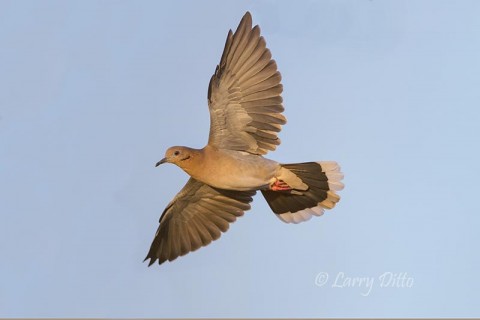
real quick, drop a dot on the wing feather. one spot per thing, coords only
(194, 218)
(244, 94)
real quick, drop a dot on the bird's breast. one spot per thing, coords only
(235, 170)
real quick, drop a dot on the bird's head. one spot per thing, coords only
(177, 155)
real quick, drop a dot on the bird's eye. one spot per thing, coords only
(176, 153)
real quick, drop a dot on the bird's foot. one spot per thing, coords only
(280, 185)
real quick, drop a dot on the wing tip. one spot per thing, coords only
(153, 259)
(247, 16)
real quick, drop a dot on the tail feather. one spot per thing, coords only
(295, 206)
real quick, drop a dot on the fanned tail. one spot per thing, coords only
(294, 206)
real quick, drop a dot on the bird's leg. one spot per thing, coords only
(280, 185)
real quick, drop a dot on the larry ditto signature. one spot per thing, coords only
(385, 280)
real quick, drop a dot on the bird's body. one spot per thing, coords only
(252, 172)
(245, 104)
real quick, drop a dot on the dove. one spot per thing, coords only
(245, 104)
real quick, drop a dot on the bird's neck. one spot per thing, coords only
(194, 162)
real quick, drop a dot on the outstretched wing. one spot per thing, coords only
(194, 218)
(244, 94)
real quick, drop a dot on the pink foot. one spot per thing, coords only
(280, 185)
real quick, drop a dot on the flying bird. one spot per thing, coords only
(245, 104)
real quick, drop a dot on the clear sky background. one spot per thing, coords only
(93, 92)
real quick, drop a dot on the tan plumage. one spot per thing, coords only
(195, 217)
(245, 118)
(244, 94)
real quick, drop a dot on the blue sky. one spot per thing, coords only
(93, 92)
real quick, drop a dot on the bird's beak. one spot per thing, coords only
(160, 162)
